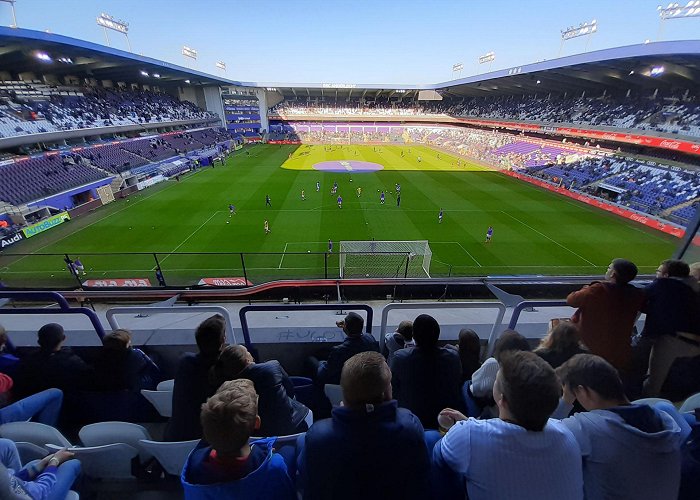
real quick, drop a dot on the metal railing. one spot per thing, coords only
(532, 303)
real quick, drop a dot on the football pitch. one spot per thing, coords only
(187, 224)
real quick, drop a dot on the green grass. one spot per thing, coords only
(535, 231)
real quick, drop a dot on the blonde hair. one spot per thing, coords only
(562, 337)
(229, 416)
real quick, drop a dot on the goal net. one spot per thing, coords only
(385, 259)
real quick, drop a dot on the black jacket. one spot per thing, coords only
(43, 370)
(329, 371)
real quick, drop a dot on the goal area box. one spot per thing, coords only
(385, 259)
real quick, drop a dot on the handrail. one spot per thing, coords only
(301, 307)
(63, 307)
(532, 303)
(446, 305)
(230, 334)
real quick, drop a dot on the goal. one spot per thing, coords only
(385, 259)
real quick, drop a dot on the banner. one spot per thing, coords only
(150, 182)
(648, 221)
(6, 241)
(224, 282)
(129, 282)
(46, 224)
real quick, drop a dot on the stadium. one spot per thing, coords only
(210, 266)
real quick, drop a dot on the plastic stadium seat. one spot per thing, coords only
(691, 403)
(166, 385)
(111, 461)
(162, 401)
(72, 495)
(35, 433)
(650, 401)
(172, 455)
(30, 451)
(103, 433)
(334, 393)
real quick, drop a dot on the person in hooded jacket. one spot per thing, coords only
(630, 451)
(121, 367)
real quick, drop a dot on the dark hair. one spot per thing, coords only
(354, 324)
(50, 336)
(530, 387)
(626, 270)
(510, 340)
(365, 379)
(469, 349)
(676, 268)
(231, 362)
(3, 337)
(426, 331)
(589, 370)
(405, 328)
(210, 335)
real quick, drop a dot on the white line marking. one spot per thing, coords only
(460, 245)
(550, 239)
(282, 258)
(192, 234)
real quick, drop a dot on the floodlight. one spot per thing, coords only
(144, 73)
(187, 81)
(43, 56)
(657, 70)
(538, 82)
(156, 75)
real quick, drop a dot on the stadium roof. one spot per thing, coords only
(19, 49)
(662, 65)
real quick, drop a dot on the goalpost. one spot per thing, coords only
(385, 259)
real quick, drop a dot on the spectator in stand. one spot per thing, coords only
(226, 465)
(672, 326)
(561, 343)
(121, 367)
(192, 386)
(399, 339)
(8, 362)
(355, 342)
(695, 273)
(52, 366)
(607, 311)
(426, 378)
(469, 350)
(484, 378)
(521, 454)
(630, 451)
(281, 414)
(48, 479)
(368, 429)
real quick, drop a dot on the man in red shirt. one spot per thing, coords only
(607, 311)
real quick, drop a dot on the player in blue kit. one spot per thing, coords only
(381, 198)
(489, 234)
(440, 214)
(340, 202)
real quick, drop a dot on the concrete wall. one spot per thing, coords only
(214, 103)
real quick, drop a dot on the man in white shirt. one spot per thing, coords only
(522, 454)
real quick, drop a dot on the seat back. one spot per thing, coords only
(334, 393)
(166, 385)
(691, 403)
(103, 433)
(30, 451)
(172, 455)
(650, 401)
(111, 461)
(162, 401)
(33, 432)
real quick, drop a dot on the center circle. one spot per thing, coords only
(348, 166)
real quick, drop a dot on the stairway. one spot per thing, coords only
(672, 209)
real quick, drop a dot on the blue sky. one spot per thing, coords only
(360, 41)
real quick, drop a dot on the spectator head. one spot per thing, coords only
(469, 349)
(527, 390)
(593, 381)
(405, 329)
(3, 338)
(230, 416)
(232, 360)
(51, 337)
(118, 340)
(695, 270)
(621, 271)
(671, 268)
(510, 340)
(352, 325)
(426, 331)
(211, 335)
(365, 380)
(563, 337)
